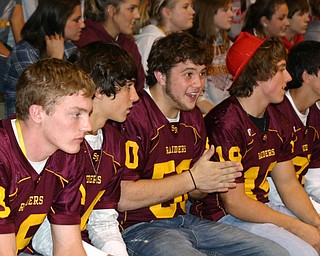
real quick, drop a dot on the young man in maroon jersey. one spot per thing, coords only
(165, 164)
(114, 73)
(300, 108)
(247, 129)
(38, 179)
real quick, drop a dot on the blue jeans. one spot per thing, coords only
(293, 244)
(188, 235)
(3, 62)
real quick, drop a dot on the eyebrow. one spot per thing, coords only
(80, 109)
(282, 65)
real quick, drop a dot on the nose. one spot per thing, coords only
(287, 77)
(137, 14)
(306, 17)
(82, 25)
(86, 126)
(286, 21)
(192, 11)
(134, 95)
(198, 81)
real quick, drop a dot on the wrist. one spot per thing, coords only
(192, 178)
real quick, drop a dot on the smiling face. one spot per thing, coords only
(125, 17)
(65, 127)
(223, 18)
(183, 86)
(278, 23)
(274, 88)
(180, 17)
(74, 25)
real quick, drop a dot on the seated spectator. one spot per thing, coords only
(299, 106)
(165, 164)
(114, 73)
(248, 129)
(267, 18)
(159, 18)
(313, 30)
(113, 22)
(213, 33)
(41, 169)
(46, 34)
(7, 9)
(298, 22)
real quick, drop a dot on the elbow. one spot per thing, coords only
(231, 208)
(124, 205)
(121, 208)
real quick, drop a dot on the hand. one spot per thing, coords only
(212, 176)
(309, 234)
(55, 46)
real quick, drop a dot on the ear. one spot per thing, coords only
(306, 77)
(264, 21)
(166, 12)
(99, 94)
(111, 10)
(161, 78)
(35, 113)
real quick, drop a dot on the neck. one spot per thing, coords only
(111, 28)
(301, 100)
(31, 133)
(290, 36)
(163, 102)
(251, 107)
(163, 30)
(97, 120)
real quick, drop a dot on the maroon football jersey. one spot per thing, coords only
(237, 138)
(102, 189)
(307, 138)
(27, 197)
(155, 149)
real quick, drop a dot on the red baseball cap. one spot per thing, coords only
(241, 52)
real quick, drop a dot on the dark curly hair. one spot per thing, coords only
(175, 48)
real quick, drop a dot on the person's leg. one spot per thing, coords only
(229, 240)
(158, 238)
(293, 244)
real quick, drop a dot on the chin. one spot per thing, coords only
(72, 150)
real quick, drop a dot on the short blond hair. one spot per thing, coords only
(47, 80)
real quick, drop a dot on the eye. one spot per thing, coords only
(188, 75)
(185, 6)
(202, 73)
(76, 115)
(77, 19)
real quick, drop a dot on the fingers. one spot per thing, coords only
(208, 153)
(54, 37)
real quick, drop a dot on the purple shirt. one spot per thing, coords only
(157, 148)
(27, 197)
(237, 138)
(94, 31)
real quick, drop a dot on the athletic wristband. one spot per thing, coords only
(194, 183)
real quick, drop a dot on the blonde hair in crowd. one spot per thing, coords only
(150, 12)
(96, 9)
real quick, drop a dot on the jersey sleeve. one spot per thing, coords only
(6, 217)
